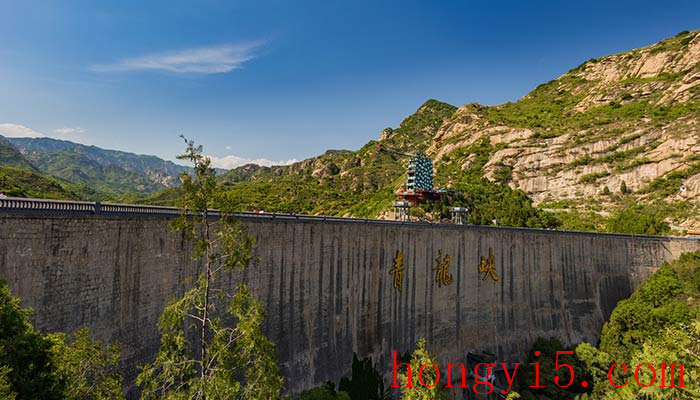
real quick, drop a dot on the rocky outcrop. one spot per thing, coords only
(655, 134)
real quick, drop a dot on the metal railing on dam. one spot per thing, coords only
(31, 206)
(69, 207)
(20, 205)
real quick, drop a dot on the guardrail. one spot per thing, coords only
(20, 205)
(45, 206)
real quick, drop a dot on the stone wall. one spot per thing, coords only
(327, 288)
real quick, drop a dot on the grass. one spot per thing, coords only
(671, 183)
(592, 178)
(16, 182)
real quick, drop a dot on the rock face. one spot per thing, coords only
(327, 287)
(631, 117)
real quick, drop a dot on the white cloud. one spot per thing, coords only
(230, 162)
(198, 60)
(69, 131)
(228, 147)
(15, 130)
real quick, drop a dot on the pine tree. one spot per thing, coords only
(232, 360)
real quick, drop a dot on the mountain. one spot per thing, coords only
(107, 171)
(21, 182)
(610, 133)
(10, 157)
(613, 131)
(339, 182)
(611, 141)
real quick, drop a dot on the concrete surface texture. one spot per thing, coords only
(332, 288)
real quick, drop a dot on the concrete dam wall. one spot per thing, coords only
(334, 287)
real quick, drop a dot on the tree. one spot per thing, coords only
(679, 344)
(366, 382)
(639, 220)
(88, 367)
(233, 360)
(324, 392)
(623, 188)
(26, 366)
(544, 352)
(33, 366)
(6, 392)
(597, 364)
(419, 358)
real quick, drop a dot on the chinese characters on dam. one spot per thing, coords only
(397, 270)
(487, 266)
(443, 277)
(442, 270)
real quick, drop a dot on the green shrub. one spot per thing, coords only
(547, 357)
(591, 178)
(639, 220)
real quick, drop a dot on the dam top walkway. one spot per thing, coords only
(32, 206)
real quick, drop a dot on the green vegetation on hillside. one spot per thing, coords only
(546, 371)
(488, 201)
(548, 110)
(17, 182)
(9, 157)
(89, 172)
(637, 219)
(543, 109)
(416, 131)
(142, 164)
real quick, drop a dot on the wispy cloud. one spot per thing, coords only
(198, 60)
(74, 134)
(69, 131)
(21, 131)
(230, 162)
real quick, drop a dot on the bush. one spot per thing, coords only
(548, 352)
(323, 392)
(658, 323)
(653, 307)
(25, 353)
(638, 220)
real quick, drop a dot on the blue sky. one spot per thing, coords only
(281, 80)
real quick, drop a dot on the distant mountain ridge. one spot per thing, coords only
(11, 157)
(156, 169)
(107, 171)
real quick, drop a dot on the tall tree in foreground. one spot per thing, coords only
(232, 360)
